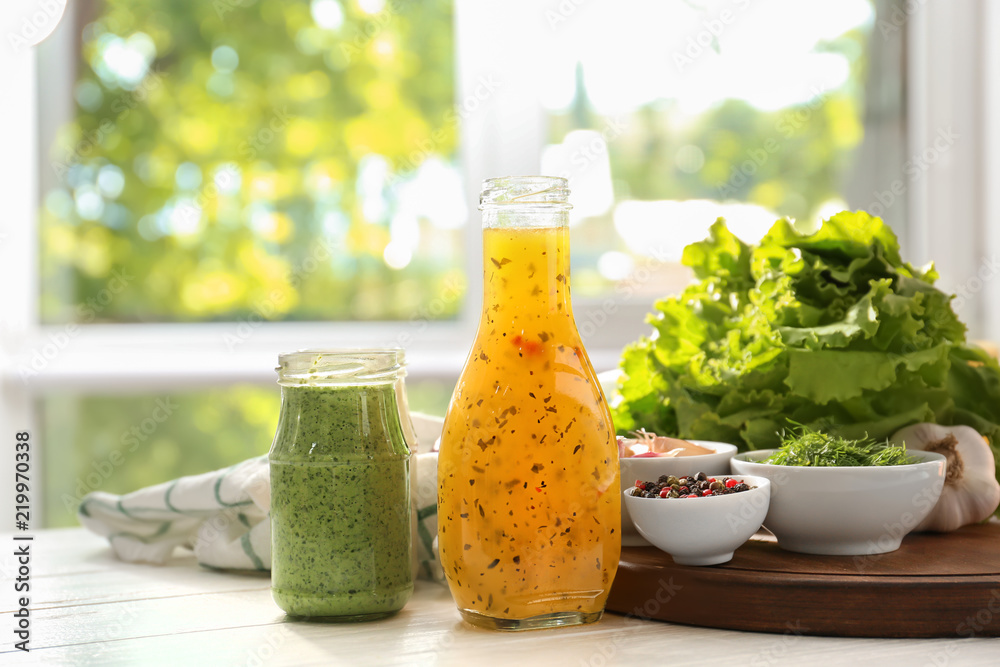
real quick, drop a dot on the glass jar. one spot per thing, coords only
(340, 486)
(529, 510)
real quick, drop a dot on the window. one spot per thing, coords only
(209, 184)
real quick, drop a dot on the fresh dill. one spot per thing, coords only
(808, 447)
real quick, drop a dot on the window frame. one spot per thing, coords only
(954, 83)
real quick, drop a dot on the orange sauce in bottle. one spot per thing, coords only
(528, 503)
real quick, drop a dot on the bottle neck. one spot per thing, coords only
(526, 263)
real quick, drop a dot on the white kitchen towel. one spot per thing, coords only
(221, 515)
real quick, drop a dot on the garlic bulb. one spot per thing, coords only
(971, 492)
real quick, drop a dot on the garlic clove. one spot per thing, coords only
(971, 492)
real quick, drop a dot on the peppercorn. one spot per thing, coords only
(696, 486)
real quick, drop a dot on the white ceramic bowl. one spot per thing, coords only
(649, 469)
(701, 531)
(846, 511)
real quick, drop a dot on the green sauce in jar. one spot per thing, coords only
(340, 499)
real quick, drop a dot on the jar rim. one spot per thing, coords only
(550, 192)
(341, 366)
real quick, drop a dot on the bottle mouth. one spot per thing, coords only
(344, 366)
(550, 192)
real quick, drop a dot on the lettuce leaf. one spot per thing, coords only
(831, 330)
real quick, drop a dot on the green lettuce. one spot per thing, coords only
(831, 330)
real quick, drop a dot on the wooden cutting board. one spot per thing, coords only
(932, 586)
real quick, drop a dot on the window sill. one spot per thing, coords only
(108, 359)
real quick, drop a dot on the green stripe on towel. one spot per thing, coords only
(425, 537)
(251, 554)
(166, 497)
(218, 488)
(121, 508)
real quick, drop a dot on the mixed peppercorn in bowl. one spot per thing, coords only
(694, 486)
(698, 519)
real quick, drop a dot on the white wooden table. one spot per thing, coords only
(90, 609)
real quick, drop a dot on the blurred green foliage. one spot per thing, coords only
(790, 160)
(215, 155)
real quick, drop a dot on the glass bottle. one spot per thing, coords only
(340, 486)
(528, 492)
